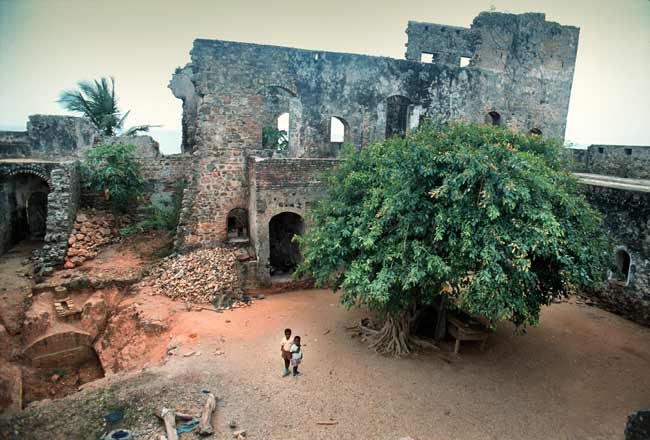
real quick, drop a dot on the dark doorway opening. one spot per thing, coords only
(237, 225)
(284, 252)
(622, 266)
(24, 196)
(494, 118)
(397, 110)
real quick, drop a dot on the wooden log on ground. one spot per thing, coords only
(169, 418)
(327, 422)
(205, 425)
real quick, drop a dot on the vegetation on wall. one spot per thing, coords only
(274, 138)
(114, 170)
(160, 217)
(486, 218)
(96, 101)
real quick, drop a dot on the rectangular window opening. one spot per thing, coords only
(464, 61)
(426, 57)
(601, 150)
(628, 151)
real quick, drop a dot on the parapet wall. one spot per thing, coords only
(626, 161)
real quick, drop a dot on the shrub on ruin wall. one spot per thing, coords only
(476, 214)
(114, 170)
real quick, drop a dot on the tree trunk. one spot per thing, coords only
(394, 338)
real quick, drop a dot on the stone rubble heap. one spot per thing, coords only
(92, 229)
(197, 277)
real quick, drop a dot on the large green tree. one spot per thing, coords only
(485, 216)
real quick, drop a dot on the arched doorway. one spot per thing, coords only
(284, 252)
(26, 206)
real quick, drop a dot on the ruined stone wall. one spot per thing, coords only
(626, 161)
(627, 218)
(49, 137)
(62, 205)
(277, 186)
(231, 90)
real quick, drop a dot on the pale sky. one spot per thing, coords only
(48, 45)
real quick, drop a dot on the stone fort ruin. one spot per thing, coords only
(505, 69)
(512, 70)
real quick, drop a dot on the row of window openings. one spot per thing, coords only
(628, 151)
(428, 58)
(337, 127)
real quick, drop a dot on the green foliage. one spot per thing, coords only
(160, 217)
(274, 138)
(96, 100)
(113, 169)
(478, 213)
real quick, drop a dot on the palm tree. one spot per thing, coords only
(97, 101)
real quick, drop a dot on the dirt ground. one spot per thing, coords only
(576, 376)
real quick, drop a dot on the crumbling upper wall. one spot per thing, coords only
(527, 62)
(49, 137)
(446, 44)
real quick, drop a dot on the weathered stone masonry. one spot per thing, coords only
(614, 178)
(43, 161)
(519, 75)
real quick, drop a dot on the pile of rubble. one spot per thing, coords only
(197, 277)
(92, 229)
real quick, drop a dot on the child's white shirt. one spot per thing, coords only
(294, 353)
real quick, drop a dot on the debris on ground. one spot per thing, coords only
(92, 229)
(197, 277)
(205, 426)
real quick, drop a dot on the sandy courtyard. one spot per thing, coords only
(576, 376)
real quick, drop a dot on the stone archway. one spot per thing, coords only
(284, 252)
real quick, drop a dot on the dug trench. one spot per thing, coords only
(106, 315)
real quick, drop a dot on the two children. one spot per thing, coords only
(291, 353)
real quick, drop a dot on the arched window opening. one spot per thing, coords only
(535, 131)
(397, 111)
(338, 129)
(237, 225)
(284, 251)
(494, 118)
(622, 262)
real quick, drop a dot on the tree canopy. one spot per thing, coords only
(485, 216)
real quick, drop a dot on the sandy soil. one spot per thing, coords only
(576, 376)
(15, 284)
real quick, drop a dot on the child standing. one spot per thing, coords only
(296, 355)
(285, 348)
